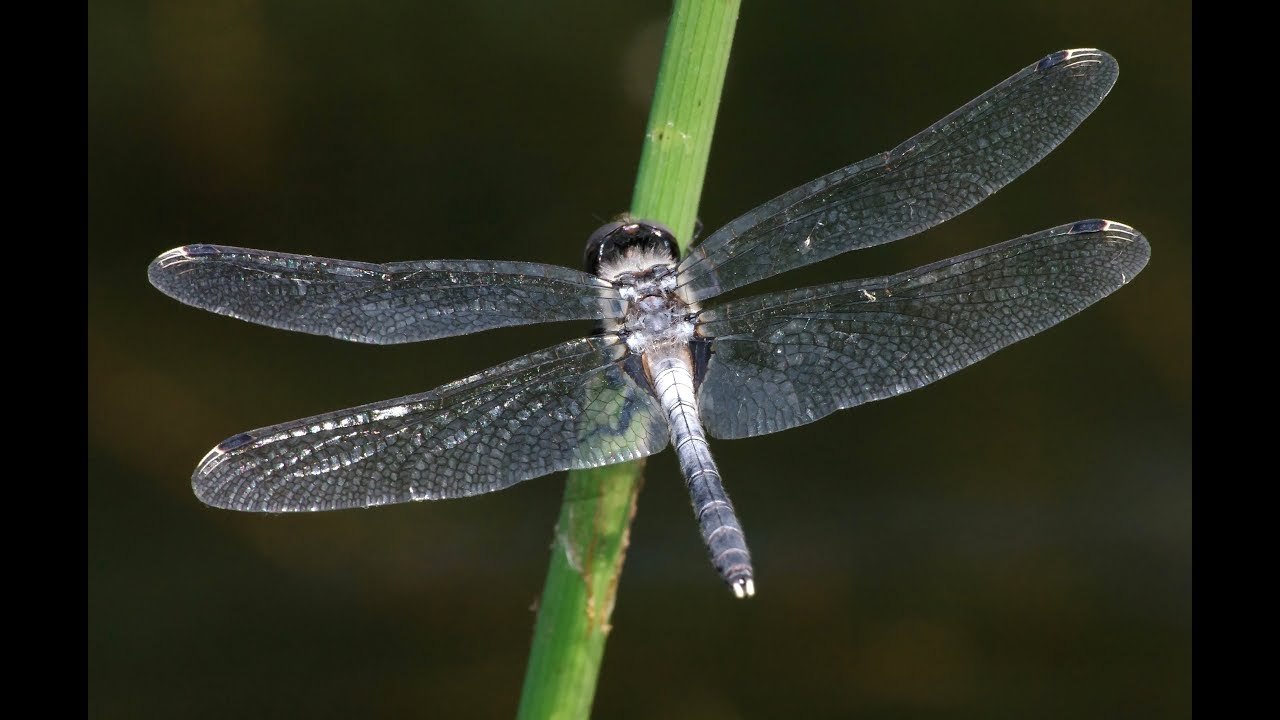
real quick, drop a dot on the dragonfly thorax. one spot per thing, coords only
(653, 314)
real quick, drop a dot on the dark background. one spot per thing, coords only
(1012, 541)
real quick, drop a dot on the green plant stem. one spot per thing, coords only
(595, 517)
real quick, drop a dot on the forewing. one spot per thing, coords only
(790, 358)
(570, 406)
(380, 304)
(938, 174)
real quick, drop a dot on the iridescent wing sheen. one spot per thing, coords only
(790, 358)
(569, 406)
(380, 304)
(938, 174)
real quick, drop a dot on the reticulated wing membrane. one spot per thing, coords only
(570, 406)
(380, 304)
(936, 175)
(790, 358)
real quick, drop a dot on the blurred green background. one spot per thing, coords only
(1012, 541)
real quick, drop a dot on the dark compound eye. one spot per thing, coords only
(615, 238)
(595, 245)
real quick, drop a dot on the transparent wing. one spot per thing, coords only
(380, 304)
(936, 175)
(570, 406)
(790, 358)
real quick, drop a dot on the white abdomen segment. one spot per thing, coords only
(670, 373)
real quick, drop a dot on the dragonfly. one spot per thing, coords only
(668, 363)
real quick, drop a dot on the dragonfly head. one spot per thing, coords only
(630, 243)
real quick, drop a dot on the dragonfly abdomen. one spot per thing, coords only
(670, 372)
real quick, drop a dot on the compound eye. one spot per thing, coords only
(661, 229)
(659, 238)
(603, 231)
(627, 235)
(596, 244)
